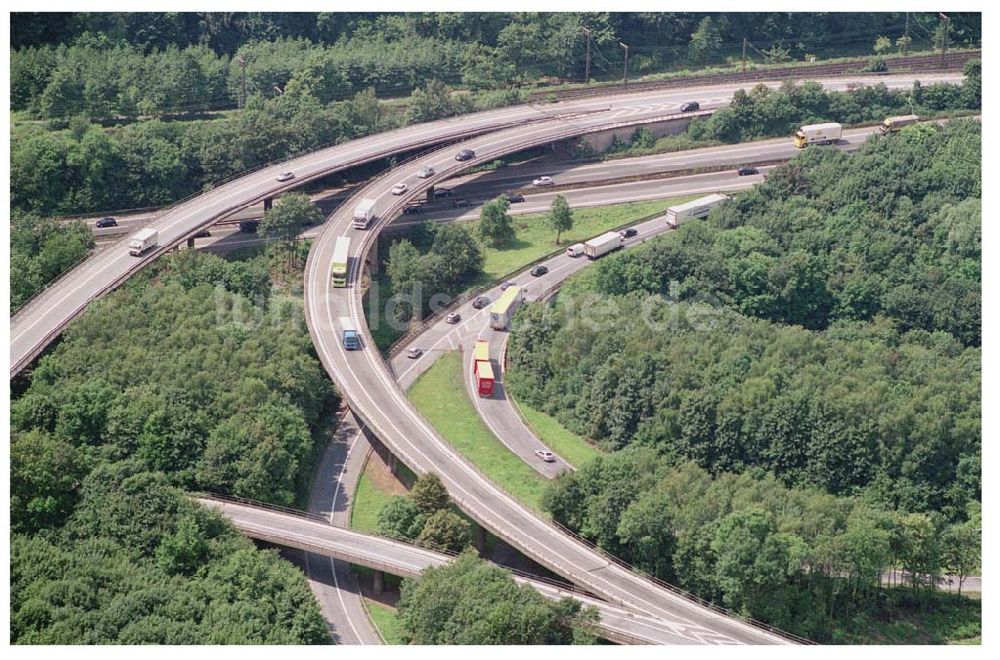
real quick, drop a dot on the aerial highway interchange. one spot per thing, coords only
(375, 393)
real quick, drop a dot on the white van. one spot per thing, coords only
(575, 250)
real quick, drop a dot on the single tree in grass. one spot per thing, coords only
(560, 216)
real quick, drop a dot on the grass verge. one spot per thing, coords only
(558, 438)
(386, 621)
(439, 394)
(535, 238)
(376, 486)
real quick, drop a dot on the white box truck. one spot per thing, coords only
(828, 133)
(575, 250)
(142, 240)
(696, 208)
(601, 245)
(364, 213)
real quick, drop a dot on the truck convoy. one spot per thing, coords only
(364, 213)
(482, 369)
(601, 245)
(338, 269)
(828, 133)
(505, 306)
(142, 240)
(697, 208)
(893, 124)
(349, 334)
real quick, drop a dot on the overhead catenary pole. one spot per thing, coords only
(743, 60)
(625, 78)
(586, 76)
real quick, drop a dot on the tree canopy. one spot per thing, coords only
(472, 602)
(176, 381)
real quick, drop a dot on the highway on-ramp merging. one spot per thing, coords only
(363, 377)
(36, 324)
(364, 380)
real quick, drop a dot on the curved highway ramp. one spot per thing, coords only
(297, 530)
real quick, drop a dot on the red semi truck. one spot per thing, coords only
(482, 369)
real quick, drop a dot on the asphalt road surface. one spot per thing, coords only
(364, 379)
(41, 320)
(331, 579)
(408, 561)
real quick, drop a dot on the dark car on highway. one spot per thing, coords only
(628, 233)
(690, 106)
(249, 226)
(514, 198)
(746, 171)
(538, 271)
(204, 233)
(465, 154)
(106, 222)
(480, 302)
(442, 192)
(412, 209)
(461, 203)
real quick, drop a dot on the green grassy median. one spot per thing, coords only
(572, 447)
(535, 237)
(439, 394)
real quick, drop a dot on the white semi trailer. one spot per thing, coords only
(828, 133)
(599, 246)
(697, 208)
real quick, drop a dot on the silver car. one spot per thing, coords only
(426, 172)
(545, 455)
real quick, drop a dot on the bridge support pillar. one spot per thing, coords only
(378, 581)
(268, 203)
(480, 539)
(191, 242)
(373, 257)
(393, 465)
(430, 195)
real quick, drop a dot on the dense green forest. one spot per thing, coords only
(41, 250)
(893, 231)
(797, 558)
(192, 377)
(109, 64)
(473, 602)
(817, 337)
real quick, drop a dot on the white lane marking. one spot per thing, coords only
(385, 140)
(333, 565)
(385, 554)
(394, 392)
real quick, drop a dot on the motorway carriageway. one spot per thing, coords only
(41, 321)
(406, 560)
(364, 380)
(589, 191)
